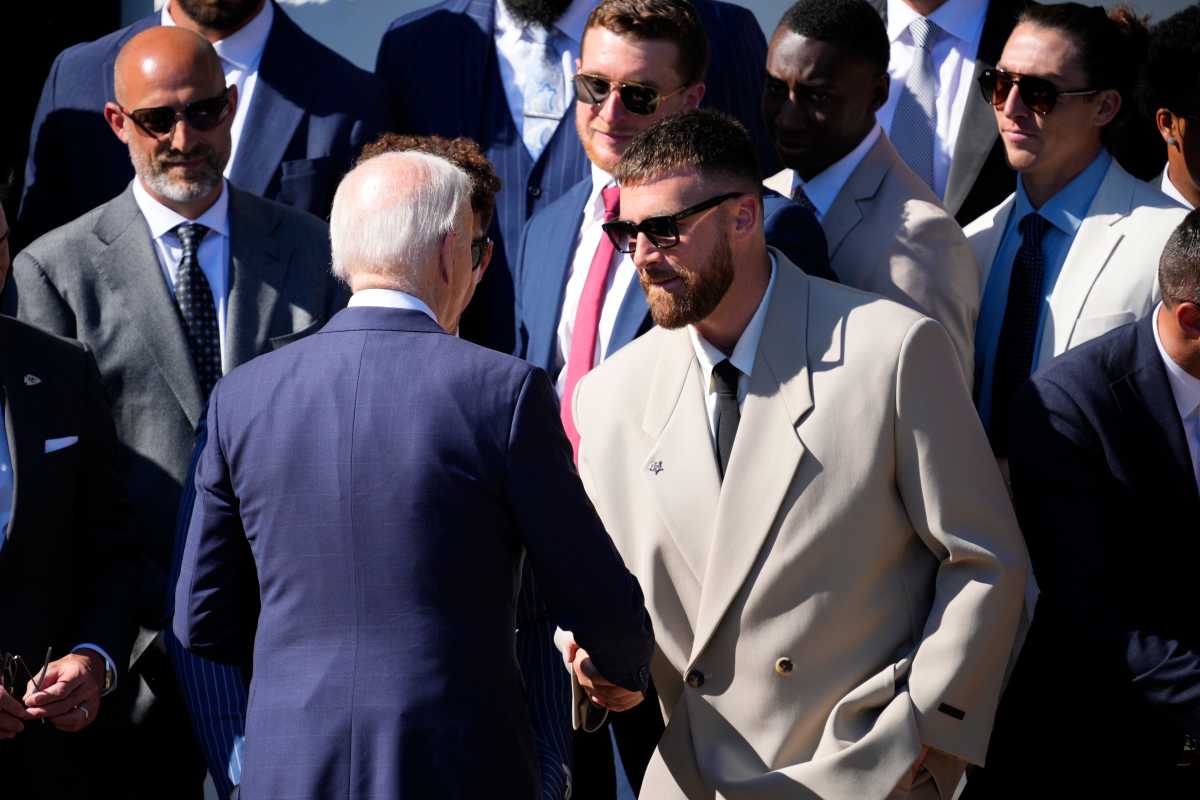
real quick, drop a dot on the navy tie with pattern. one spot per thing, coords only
(1019, 331)
(725, 376)
(198, 309)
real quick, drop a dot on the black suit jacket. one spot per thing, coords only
(1106, 496)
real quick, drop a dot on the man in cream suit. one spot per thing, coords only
(887, 233)
(834, 570)
(1074, 252)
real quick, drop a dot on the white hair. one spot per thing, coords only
(391, 213)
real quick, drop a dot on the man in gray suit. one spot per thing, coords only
(177, 280)
(887, 232)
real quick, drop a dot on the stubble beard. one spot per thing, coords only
(158, 178)
(703, 291)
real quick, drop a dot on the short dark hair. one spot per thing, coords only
(709, 142)
(1179, 265)
(1112, 47)
(674, 21)
(462, 152)
(1171, 76)
(851, 25)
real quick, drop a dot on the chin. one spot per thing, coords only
(1021, 159)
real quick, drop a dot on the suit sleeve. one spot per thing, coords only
(33, 298)
(957, 503)
(43, 179)
(216, 598)
(106, 555)
(1064, 495)
(582, 579)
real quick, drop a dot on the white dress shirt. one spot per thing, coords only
(240, 55)
(213, 252)
(512, 53)
(744, 353)
(390, 298)
(1172, 191)
(953, 54)
(1185, 388)
(622, 275)
(824, 188)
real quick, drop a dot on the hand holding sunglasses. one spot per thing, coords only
(663, 232)
(202, 115)
(637, 98)
(1038, 94)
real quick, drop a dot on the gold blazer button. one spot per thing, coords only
(784, 666)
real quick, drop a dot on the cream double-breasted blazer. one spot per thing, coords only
(852, 589)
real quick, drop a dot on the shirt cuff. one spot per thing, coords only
(110, 668)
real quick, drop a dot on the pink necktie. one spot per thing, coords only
(587, 316)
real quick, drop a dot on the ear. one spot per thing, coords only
(693, 96)
(1188, 317)
(1167, 125)
(446, 256)
(233, 101)
(747, 215)
(118, 123)
(879, 92)
(1108, 107)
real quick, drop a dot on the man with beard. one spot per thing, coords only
(305, 112)
(834, 571)
(178, 279)
(499, 72)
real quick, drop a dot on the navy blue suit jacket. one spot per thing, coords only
(360, 522)
(439, 66)
(1107, 499)
(548, 246)
(312, 111)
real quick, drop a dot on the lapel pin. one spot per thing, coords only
(656, 467)
(32, 380)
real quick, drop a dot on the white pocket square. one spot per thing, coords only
(60, 443)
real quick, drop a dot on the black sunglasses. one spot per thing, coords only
(663, 232)
(10, 678)
(636, 97)
(203, 115)
(479, 248)
(1039, 94)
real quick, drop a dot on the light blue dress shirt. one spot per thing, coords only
(1065, 212)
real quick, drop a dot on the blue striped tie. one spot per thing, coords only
(915, 123)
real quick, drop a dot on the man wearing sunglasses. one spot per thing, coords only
(834, 571)
(1073, 253)
(303, 114)
(886, 230)
(172, 283)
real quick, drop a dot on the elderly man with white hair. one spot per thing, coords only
(364, 499)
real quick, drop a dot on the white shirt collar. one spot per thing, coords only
(571, 23)
(1184, 386)
(962, 19)
(600, 181)
(390, 298)
(163, 220)
(745, 351)
(823, 189)
(244, 48)
(1172, 191)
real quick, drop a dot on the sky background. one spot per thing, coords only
(354, 27)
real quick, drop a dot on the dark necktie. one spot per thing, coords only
(196, 306)
(725, 376)
(1019, 331)
(802, 200)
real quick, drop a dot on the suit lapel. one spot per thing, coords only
(24, 448)
(131, 269)
(681, 467)
(633, 318)
(766, 452)
(551, 274)
(1094, 243)
(985, 233)
(256, 277)
(863, 184)
(280, 97)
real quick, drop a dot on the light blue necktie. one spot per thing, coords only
(915, 122)
(544, 94)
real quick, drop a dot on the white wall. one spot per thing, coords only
(354, 27)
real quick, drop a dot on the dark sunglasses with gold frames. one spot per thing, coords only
(1038, 94)
(638, 98)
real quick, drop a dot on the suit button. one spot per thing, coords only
(695, 679)
(535, 191)
(784, 666)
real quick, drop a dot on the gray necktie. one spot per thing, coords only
(725, 377)
(915, 123)
(198, 309)
(544, 94)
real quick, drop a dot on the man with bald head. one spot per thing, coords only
(374, 572)
(174, 282)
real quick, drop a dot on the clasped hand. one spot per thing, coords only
(600, 690)
(69, 698)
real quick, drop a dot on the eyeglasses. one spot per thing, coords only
(203, 115)
(663, 232)
(479, 248)
(10, 663)
(637, 98)
(1039, 94)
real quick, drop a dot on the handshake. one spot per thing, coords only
(587, 679)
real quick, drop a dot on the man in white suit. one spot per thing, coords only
(833, 568)
(1074, 252)
(887, 233)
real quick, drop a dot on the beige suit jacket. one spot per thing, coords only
(887, 233)
(862, 533)
(1110, 276)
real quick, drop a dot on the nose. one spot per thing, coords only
(1014, 106)
(182, 134)
(612, 109)
(644, 251)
